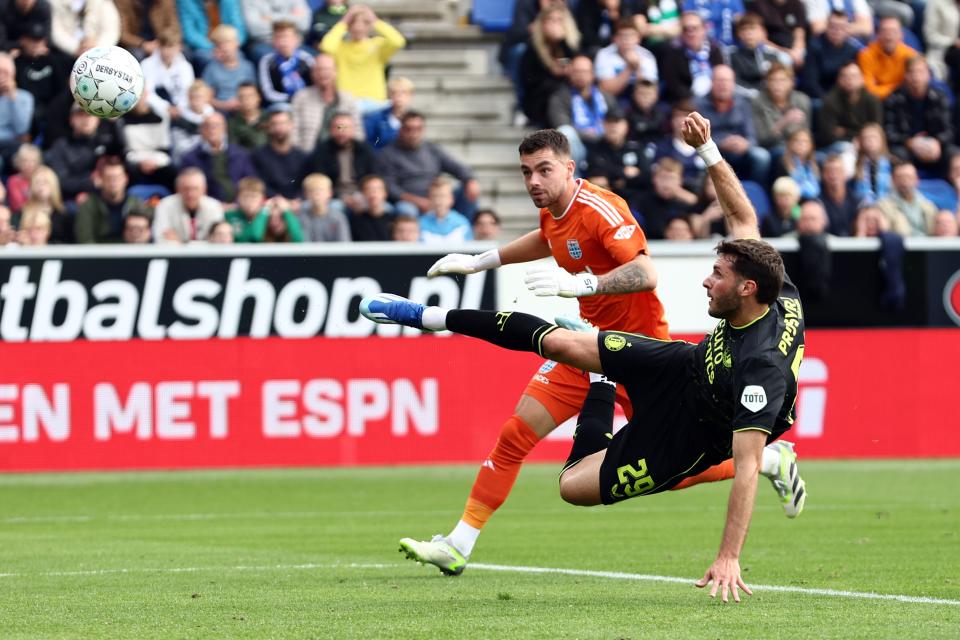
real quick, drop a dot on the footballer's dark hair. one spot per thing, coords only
(758, 261)
(545, 139)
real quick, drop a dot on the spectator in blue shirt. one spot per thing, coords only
(16, 110)
(195, 23)
(719, 16)
(443, 224)
(731, 123)
(382, 126)
(228, 69)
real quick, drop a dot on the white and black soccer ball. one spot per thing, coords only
(106, 81)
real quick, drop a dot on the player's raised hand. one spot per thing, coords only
(554, 281)
(464, 263)
(724, 573)
(695, 130)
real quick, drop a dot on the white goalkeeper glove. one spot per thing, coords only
(554, 281)
(466, 264)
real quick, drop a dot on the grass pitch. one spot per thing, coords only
(313, 554)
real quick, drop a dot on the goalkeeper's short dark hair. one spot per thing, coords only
(545, 139)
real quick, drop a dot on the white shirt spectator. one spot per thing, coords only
(174, 81)
(819, 10)
(609, 64)
(171, 214)
(95, 22)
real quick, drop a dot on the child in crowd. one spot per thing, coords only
(287, 69)
(282, 224)
(221, 232)
(751, 58)
(874, 173)
(167, 75)
(186, 127)
(443, 224)
(35, 226)
(25, 160)
(362, 57)
(800, 163)
(45, 196)
(322, 217)
(251, 219)
(228, 69)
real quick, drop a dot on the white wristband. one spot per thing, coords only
(709, 153)
(587, 285)
(488, 260)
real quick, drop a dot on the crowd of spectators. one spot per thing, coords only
(841, 115)
(260, 121)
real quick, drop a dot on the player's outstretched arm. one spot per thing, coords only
(524, 249)
(739, 212)
(724, 573)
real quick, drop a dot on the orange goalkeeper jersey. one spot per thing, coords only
(597, 233)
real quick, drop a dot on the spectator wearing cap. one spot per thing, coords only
(410, 165)
(907, 211)
(687, 65)
(222, 164)
(577, 109)
(24, 16)
(917, 120)
(752, 58)
(615, 162)
(827, 54)
(314, 106)
(16, 110)
(620, 64)
(649, 118)
(666, 201)
(344, 158)
(884, 61)
(44, 73)
(279, 163)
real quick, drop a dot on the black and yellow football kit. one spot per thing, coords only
(689, 399)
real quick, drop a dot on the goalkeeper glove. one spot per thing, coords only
(463, 263)
(554, 281)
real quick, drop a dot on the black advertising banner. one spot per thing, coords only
(294, 295)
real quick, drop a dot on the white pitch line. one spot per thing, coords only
(610, 575)
(617, 575)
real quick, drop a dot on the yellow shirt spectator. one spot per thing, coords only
(362, 59)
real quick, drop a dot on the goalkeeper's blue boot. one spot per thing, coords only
(788, 484)
(386, 308)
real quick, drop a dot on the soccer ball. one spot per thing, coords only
(106, 81)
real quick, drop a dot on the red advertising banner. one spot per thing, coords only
(326, 401)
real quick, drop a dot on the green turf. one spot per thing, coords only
(268, 554)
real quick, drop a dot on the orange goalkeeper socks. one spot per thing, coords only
(499, 471)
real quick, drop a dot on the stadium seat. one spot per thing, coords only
(493, 15)
(758, 196)
(940, 193)
(147, 191)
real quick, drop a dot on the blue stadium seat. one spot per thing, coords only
(940, 193)
(758, 196)
(147, 191)
(912, 40)
(492, 15)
